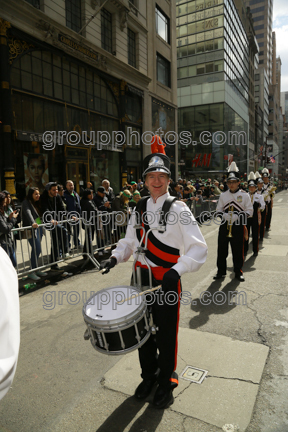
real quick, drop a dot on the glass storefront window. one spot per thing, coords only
(53, 76)
(105, 165)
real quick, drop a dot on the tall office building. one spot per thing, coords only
(213, 85)
(262, 13)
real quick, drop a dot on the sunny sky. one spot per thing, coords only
(280, 26)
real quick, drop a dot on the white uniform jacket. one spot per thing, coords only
(266, 188)
(240, 201)
(182, 232)
(258, 198)
(9, 322)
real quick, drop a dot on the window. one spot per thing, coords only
(73, 14)
(162, 25)
(106, 30)
(35, 3)
(257, 77)
(47, 74)
(163, 71)
(131, 48)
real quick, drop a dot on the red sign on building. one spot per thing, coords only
(201, 160)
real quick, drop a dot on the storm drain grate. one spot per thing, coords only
(194, 374)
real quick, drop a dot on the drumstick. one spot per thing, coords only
(140, 294)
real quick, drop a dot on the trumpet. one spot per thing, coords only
(229, 225)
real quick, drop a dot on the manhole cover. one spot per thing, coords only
(194, 374)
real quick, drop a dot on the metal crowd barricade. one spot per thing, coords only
(109, 228)
(203, 211)
(39, 248)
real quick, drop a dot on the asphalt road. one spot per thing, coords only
(58, 384)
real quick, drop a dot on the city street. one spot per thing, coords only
(62, 384)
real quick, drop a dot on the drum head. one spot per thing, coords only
(106, 308)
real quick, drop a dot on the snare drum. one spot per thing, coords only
(117, 328)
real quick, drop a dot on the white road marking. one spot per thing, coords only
(281, 199)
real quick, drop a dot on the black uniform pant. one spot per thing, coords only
(252, 224)
(237, 246)
(160, 350)
(263, 222)
(269, 215)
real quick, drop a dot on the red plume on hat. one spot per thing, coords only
(156, 145)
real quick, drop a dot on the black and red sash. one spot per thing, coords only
(159, 253)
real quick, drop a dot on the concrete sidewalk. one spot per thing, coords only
(63, 385)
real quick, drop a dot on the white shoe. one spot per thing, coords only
(34, 276)
(40, 273)
(68, 255)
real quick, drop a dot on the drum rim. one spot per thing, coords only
(132, 316)
(116, 326)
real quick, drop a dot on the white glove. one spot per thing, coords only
(227, 217)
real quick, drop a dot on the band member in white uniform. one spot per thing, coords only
(236, 207)
(9, 322)
(178, 250)
(254, 223)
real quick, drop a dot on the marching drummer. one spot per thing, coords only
(175, 246)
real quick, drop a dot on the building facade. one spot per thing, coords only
(213, 86)
(262, 14)
(96, 85)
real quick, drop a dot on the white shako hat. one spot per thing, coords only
(258, 177)
(265, 172)
(157, 161)
(252, 179)
(233, 172)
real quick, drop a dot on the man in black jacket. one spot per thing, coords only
(73, 205)
(53, 213)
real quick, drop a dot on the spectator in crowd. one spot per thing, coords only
(199, 197)
(73, 205)
(54, 212)
(104, 206)
(9, 323)
(101, 201)
(217, 191)
(135, 198)
(224, 182)
(197, 185)
(139, 185)
(175, 190)
(31, 216)
(90, 213)
(8, 209)
(120, 205)
(6, 225)
(61, 193)
(108, 190)
(144, 191)
(134, 187)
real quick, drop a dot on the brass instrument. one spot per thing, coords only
(270, 192)
(229, 226)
